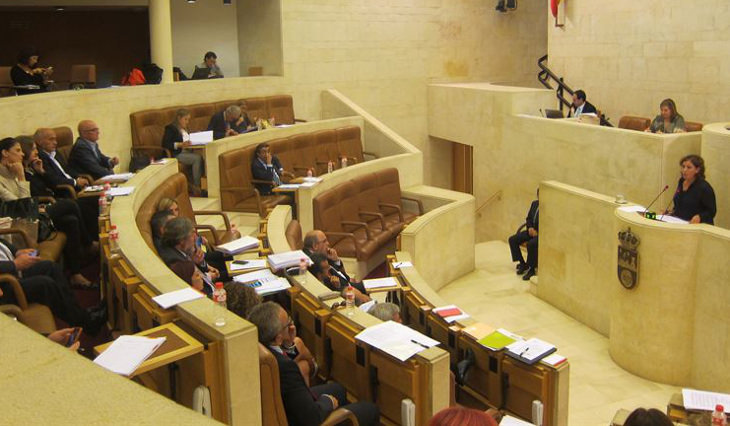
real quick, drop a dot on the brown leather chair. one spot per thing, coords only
(281, 107)
(325, 150)
(256, 108)
(176, 187)
(6, 82)
(82, 76)
(200, 116)
(36, 316)
(302, 154)
(237, 190)
(634, 123)
(692, 126)
(148, 127)
(272, 407)
(391, 199)
(349, 144)
(293, 235)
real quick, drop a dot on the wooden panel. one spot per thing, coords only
(311, 320)
(485, 376)
(415, 311)
(347, 358)
(462, 168)
(524, 384)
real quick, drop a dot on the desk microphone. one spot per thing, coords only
(657, 197)
(670, 202)
(542, 113)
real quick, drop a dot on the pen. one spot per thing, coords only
(419, 343)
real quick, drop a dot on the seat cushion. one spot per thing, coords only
(52, 248)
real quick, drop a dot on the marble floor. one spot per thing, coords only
(495, 295)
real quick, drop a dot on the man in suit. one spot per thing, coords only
(85, 157)
(580, 105)
(530, 237)
(267, 167)
(229, 122)
(304, 405)
(43, 282)
(179, 244)
(316, 242)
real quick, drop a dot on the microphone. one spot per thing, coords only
(542, 113)
(657, 197)
(670, 202)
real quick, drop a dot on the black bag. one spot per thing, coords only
(27, 208)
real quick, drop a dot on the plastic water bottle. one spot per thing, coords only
(103, 204)
(219, 299)
(344, 162)
(330, 166)
(107, 187)
(309, 172)
(718, 416)
(302, 277)
(350, 299)
(114, 240)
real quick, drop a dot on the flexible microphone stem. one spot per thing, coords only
(670, 202)
(657, 197)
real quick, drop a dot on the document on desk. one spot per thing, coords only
(250, 264)
(380, 283)
(263, 274)
(172, 298)
(498, 339)
(530, 351)
(289, 186)
(703, 400)
(450, 313)
(396, 339)
(120, 191)
(508, 420)
(201, 138)
(127, 353)
(240, 245)
(287, 259)
(632, 209)
(670, 219)
(118, 177)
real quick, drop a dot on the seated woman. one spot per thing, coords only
(27, 73)
(188, 272)
(176, 139)
(694, 199)
(668, 121)
(321, 269)
(65, 214)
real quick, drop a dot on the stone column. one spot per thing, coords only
(161, 37)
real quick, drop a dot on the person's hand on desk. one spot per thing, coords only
(695, 219)
(532, 232)
(231, 132)
(82, 182)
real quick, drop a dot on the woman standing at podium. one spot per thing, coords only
(694, 199)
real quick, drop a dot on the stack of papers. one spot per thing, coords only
(161, 161)
(289, 186)
(287, 259)
(120, 191)
(450, 313)
(250, 264)
(508, 420)
(499, 339)
(396, 339)
(263, 281)
(117, 177)
(239, 246)
(554, 359)
(127, 353)
(170, 299)
(201, 138)
(380, 283)
(530, 351)
(702, 400)
(93, 188)
(398, 265)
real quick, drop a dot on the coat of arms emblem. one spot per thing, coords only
(628, 259)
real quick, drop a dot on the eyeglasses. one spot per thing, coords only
(288, 324)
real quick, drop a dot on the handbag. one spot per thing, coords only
(27, 208)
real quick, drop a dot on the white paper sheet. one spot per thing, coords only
(553, 359)
(265, 287)
(367, 305)
(289, 186)
(396, 339)
(161, 161)
(312, 179)
(250, 265)
(380, 282)
(263, 274)
(118, 176)
(120, 191)
(201, 138)
(530, 349)
(703, 400)
(670, 219)
(242, 244)
(632, 209)
(170, 299)
(398, 265)
(508, 420)
(127, 353)
(287, 259)
(93, 188)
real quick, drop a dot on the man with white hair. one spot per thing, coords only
(228, 122)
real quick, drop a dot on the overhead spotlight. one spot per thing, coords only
(59, 8)
(227, 2)
(191, 1)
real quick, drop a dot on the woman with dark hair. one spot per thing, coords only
(176, 139)
(188, 272)
(669, 120)
(65, 213)
(650, 417)
(694, 199)
(240, 298)
(27, 73)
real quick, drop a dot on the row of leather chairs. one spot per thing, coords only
(364, 214)
(642, 123)
(82, 76)
(148, 126)
(297, 153)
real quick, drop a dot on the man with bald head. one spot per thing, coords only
(85, 157)
(54, 165)
(315, 241)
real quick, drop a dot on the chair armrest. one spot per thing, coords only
(17, 290)
(378, 215)
(265, 182)
(87, 177)
(286, 173)
(46, 199)
(369, 154)
(11, 310)
(137, 148)
(211, 229)
(394, 207)
(415, 200)
(340, 415)
(214, 213)
(299, 120)
(357, 225)
(23, 235)
(343, 235)
(68, 188)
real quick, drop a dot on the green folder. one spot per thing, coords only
(496, 340)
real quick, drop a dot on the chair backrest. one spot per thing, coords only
(175, 187)
(256, 108)
(148, 127)
(64, 136)
(235, 170)
(281, 107)
(293, 235)
(5, 80)
(634, 123)
(83, 74)
(200, 116)
(272, 408)
(349, 143)
(692, 126)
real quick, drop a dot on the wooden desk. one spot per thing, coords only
(682, 416)
(178, 345)
(249, 255)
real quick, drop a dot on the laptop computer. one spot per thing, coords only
(202, 74)
(553, 113)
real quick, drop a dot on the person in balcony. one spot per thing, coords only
(668, 120)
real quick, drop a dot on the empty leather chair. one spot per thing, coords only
(692, 126)
(325, 150)
(349, 144)
(293, 235)
(6, 83)
(256, 108)
(302, 154)
(200, 116)
(82, 76)
(634, 123)
(281, 107)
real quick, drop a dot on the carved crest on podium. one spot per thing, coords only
(628, 259)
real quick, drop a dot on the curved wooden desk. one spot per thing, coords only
(715, 152)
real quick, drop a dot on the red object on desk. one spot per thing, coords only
(449, 312)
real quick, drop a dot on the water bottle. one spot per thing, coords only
(344, 162)
(219, 299)
(107, 187)
(302, 277)
(330, 166)
(114, 240)
(309, 172)
(103, 204)
(718, 416)
(350, 299)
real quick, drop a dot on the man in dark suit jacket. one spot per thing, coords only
(85, 157)
(54, 166)
(304, 406)
(265, 166)
(530, 237)
(580, 105)
(43, 282)
(230, 122)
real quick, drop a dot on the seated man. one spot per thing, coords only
(315, 241)
(85, 156)
(210, 63)
(43, 282)
(529, 237)
(304, 405)
(386, 312)
(265, 166)
(228, 122)
(580, 105)
(325, 273)
(45, 140)
(178, 245)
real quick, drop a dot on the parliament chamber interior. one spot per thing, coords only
(406, 143)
